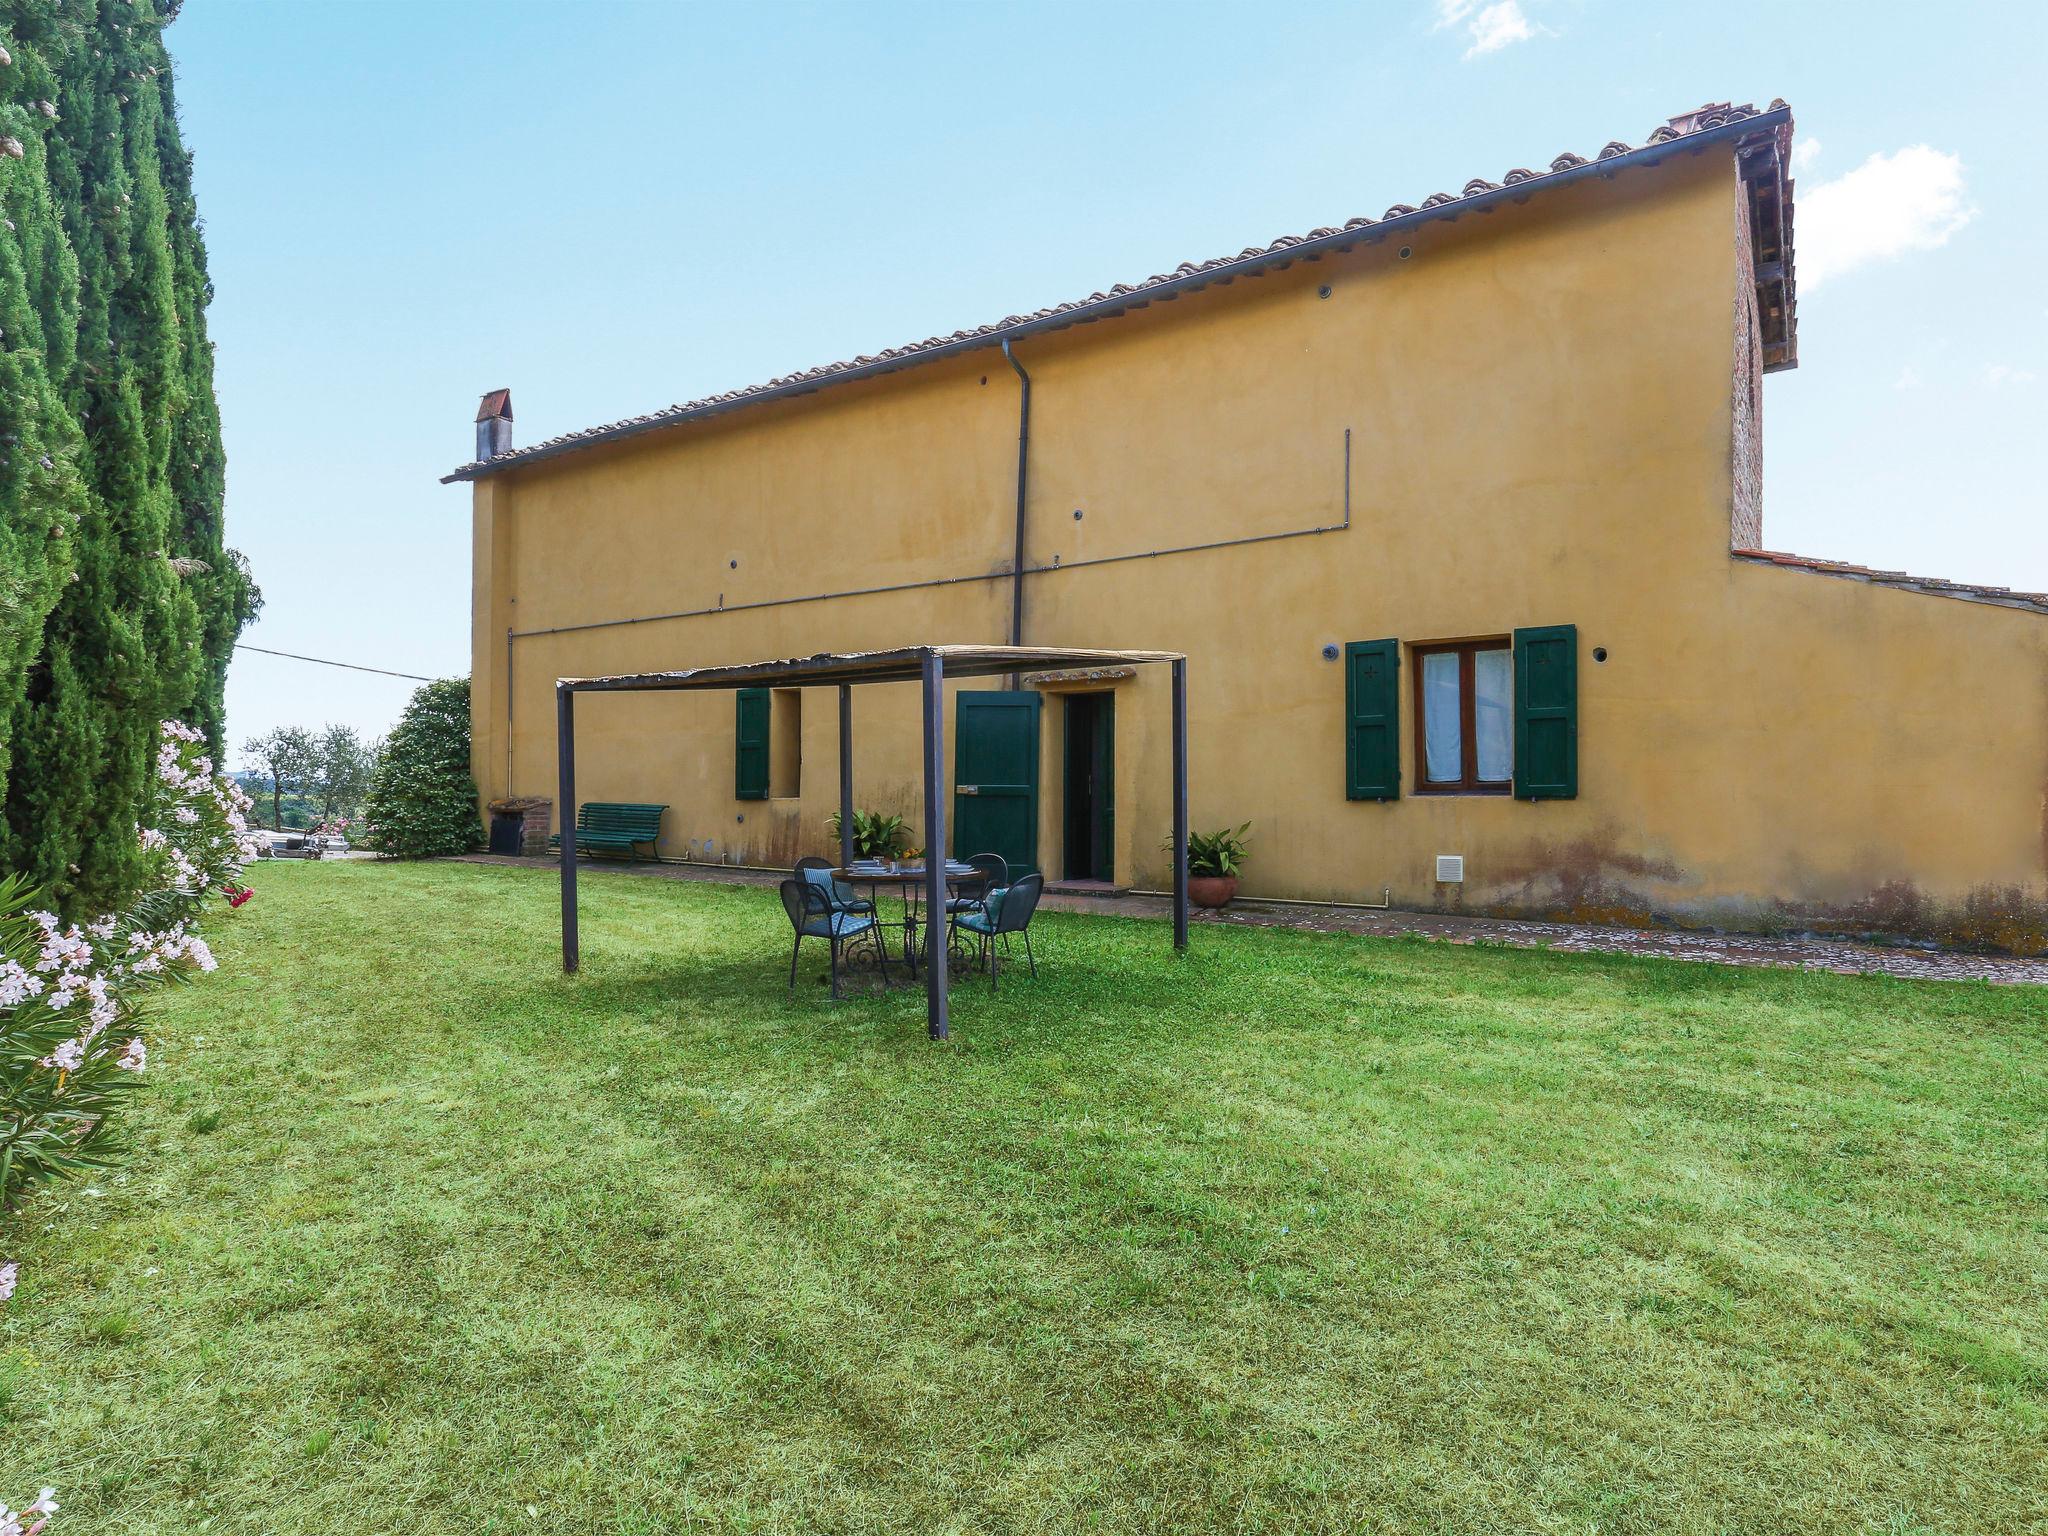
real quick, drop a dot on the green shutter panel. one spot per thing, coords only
(750, 744)
(1547, 713)
(1372, 720)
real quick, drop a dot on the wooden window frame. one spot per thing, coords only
(1468, 781)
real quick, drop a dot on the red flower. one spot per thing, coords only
(235, 897)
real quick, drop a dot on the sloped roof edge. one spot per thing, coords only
(1933, 586)
(1704, 127)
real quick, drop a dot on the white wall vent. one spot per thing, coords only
(1450, 869)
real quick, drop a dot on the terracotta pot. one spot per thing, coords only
(1211, 890)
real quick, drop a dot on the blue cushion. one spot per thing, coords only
(984, 918)
(840, 925)
(836, 891)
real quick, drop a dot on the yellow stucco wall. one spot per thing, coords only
(1539, 408)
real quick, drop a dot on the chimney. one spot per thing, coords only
(494, 425)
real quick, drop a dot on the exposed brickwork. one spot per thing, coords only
(1746, 392)
(536, 812)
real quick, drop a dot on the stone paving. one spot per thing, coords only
(1811, 954)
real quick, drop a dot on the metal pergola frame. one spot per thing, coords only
(928, 665)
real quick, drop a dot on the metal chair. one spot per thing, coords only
(813, 916)
(1005, 912)
(844, 896)
(994, 872)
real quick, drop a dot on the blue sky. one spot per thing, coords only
(610, 207)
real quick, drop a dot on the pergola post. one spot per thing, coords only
(934, 680)
(565, 808)
(1180, 803)
(845, 774)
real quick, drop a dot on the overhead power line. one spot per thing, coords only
(322, 661)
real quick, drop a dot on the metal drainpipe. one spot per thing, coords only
(1012, 681)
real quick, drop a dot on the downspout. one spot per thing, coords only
(1012, 682)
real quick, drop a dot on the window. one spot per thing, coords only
(1465, 717)
(785, 743)
(1492, 717)
(767, 741)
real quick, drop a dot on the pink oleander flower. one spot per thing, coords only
(17, 986)
(135, 1058)
(31, 1520)
(28, 1522)
(9, 1273)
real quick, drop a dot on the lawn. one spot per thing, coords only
(1294, 1233)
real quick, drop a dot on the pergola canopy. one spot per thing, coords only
(927, 665)
(902, 665)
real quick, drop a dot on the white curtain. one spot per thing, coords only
(1493, 714)
(1443, 745)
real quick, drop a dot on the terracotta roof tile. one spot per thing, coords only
(1518, 182)
(1933, 585)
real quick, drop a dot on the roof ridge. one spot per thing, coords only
(1713, 120)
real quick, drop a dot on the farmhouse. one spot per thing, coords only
(1457, 513)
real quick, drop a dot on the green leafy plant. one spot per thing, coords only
(875, 836)
(422, 801)
(1215, 853)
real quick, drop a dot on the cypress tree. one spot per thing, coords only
(42, 499)
(149, 601)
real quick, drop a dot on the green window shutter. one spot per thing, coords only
(1547, 713)
(1372, 720)
(750, 744)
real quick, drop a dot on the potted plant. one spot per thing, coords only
(1214, 858)
(875, 836)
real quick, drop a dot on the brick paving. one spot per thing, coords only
(1810, 954)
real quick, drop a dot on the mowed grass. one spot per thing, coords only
(1294, 1233)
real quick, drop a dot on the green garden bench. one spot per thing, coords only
(617, 827)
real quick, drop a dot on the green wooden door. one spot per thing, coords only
(995, 777)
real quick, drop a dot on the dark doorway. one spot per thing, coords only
(1090, 799)
(995, 777)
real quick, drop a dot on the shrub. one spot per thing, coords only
(195, 832)
(423, 801)
(71, 1039)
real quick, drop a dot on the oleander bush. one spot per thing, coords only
(72, 1039)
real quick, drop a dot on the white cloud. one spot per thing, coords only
(1912, 200)
(1805, 153)
(2004, 376)
(1909, 378)
(1491, 27)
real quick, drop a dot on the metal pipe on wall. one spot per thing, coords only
(1012, 682)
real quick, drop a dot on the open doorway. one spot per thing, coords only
(1090, 787)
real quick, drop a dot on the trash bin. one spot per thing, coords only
(505, 830)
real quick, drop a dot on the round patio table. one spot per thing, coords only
(910, 880)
